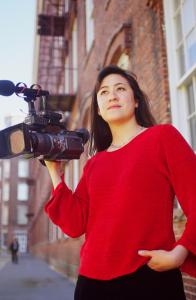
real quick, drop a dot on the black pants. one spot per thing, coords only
(15, 257)
(144, 284)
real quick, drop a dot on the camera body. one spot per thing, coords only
(42, 135)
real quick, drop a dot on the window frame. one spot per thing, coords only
(178, 84)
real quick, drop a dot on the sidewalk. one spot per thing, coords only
(4, 259)
(32, 279)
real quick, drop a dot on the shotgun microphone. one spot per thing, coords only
(8, 88)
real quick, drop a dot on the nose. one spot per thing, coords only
(112, 96)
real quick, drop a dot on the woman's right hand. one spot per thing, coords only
(56, 170)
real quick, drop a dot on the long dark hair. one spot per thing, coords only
(101, 136)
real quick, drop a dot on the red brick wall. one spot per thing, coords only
(147, 50)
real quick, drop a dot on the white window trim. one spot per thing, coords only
(75, 173)
(20, 191)
(177, 87)
(75, 54)
(90, 30)
(187, 76)
(23, 168)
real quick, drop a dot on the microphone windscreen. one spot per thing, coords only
(7, 88)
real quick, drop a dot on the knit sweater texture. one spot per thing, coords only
(124, 203)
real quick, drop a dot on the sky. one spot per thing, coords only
(17, 32)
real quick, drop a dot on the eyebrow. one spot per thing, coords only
(116, 84)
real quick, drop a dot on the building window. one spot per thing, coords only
(23, 191)
(4, 242)
(52, 232)
(180, 25)
(191, 100)
(75, 173)
(5, 215)
(21, 215)
(185, 32)
(59, 233)
(22, 239)
(89, 24)
(6, 168)
(75, 56)
(66, 6)
(6, 191)
(124, 61)
(23, 168)
(67, 175)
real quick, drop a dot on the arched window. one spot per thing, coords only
(124, 61)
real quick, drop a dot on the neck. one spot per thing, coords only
(123, 132)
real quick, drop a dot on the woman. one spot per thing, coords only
(124, 200)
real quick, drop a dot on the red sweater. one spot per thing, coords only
(124, 203)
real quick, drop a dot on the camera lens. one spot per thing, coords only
(17, 144)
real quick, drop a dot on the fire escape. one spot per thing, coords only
(53, 49)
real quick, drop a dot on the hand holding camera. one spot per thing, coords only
(56, 170)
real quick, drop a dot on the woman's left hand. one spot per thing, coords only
(161, 260)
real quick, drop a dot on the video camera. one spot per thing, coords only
(42, 134)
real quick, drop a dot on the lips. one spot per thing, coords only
(114, 107)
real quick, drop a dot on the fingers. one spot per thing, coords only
(51, 163)
(55, 168)
(145, 253)
(151, 263)
(55, 165)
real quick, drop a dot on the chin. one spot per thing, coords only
(117, 121)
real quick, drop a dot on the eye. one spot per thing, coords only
(103, 92)
(120, 88)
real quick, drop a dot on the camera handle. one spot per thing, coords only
(30, 95)
(31, 106)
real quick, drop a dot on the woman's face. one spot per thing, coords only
(116, 103)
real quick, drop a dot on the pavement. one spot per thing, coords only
(4, 259)
(32, 279)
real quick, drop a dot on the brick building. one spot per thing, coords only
(14, 198)
(74, 40)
